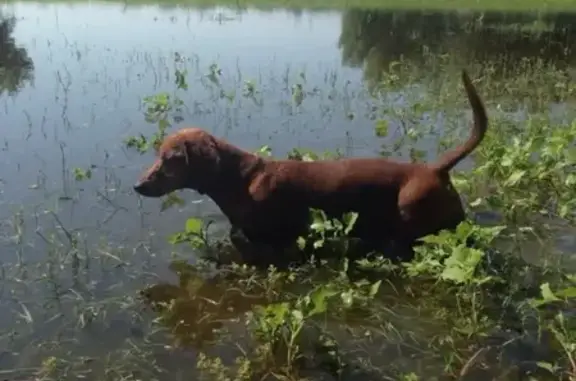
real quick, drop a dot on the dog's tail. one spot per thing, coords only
(453, 157)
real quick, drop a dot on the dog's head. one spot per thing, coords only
(188, 158)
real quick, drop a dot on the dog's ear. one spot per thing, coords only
(261, 187)
(207, 151)
(213, 152)
(179, 151)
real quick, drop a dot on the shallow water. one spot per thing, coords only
(78, 74)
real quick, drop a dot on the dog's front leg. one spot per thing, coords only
(242, 244)
(251, 251)
(261, 252)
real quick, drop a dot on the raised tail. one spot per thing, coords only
(449, 159)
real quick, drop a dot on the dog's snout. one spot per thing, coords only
(149, 187)
(140, 187)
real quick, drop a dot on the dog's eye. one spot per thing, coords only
(169, 170)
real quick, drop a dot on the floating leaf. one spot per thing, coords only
(194, 225)
(382, 127)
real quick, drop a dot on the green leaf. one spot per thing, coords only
(547, 293)
(319, 299)
(350, 220)
(197, 242)
(412, 133)
(545, 365)
(569, 292)
(547, 296)
(374, 288)
(476, 202)
(382, 127)
(276, 313)
(301, 241)
(318, 243)
(297, 316)
(570, 179)
(163, 124)
(318, 226)
(194, 226)
(564, 210)
(515, 177)
(177, 238)
(347, 298)
(506, 161)
(265, 150)
(455, 274)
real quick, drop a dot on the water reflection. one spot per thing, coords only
(16, 67)
(373, 39)
(197, 307)
(208, 313)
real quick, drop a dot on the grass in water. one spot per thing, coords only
(499, 310)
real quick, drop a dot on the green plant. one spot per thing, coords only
(162, 109)
(561, 324)
(323, 229)
(195, 233)
(82, 174)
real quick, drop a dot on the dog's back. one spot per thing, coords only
(404, 200)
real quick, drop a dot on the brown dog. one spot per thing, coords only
(269, 200)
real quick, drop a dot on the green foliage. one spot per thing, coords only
(195, 233)
(162, 109)
(531, 174)
(447, 256)
(82, 174)
(323, 229)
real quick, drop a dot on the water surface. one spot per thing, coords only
(74, 77)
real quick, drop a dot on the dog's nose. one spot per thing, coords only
(140, 187)
(147, 188)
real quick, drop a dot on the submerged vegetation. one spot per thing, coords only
(501, 309)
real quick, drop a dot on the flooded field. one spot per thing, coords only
(79, 246)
